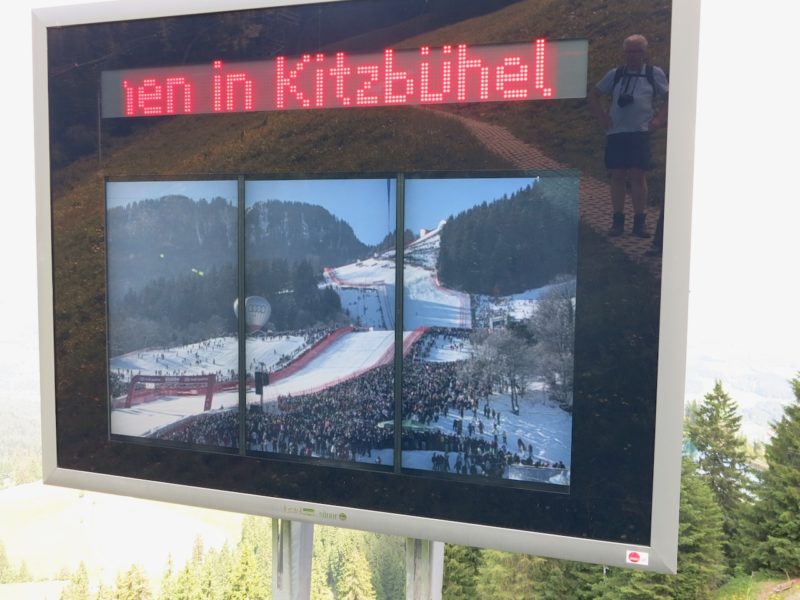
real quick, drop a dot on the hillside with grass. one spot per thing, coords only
(565, 129)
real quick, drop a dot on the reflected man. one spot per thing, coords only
(631, 116)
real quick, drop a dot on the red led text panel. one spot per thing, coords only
(539, 70)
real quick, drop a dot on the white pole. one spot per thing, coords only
(424, 569)
(292, 545)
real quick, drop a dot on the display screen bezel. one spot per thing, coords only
(141, 471)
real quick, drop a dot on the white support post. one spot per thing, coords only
(292, 544)
(424, 569)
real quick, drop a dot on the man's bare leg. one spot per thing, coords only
(618, 178)
(638, 180)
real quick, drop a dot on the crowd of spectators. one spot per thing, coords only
(445, 411)
(343, 422)
(212, 428)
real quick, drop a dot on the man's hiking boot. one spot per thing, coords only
(617, 225)
(639, 227)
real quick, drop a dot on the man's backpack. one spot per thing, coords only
(648, 74)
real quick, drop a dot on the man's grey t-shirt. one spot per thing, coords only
(637, 115)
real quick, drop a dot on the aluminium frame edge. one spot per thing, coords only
(684, 52)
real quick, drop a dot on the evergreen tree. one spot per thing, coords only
(320, 590)
(257, 534)
(713, 428)
(386, 556)
(198, 552)
(624, 584)
(506, 576)
(78, 587)
(461, 565)
(701, 537)
(132, 585)
(23, 574)
(104, 592)
(565, 579)
(700, 552)
(187, 585)
(167, 590)
(248, 582)
(775, 517)
(355, 581)
(513, 244)
(5, 565)
(217, 567)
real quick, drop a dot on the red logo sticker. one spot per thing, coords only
(633, 557)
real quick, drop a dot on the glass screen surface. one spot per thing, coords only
(172, 337)
(321, 259)
(226, 306)
(489, 306)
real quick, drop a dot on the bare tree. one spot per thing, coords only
(553, 326)
(507, 356)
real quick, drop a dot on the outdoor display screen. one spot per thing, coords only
(357, 254)
(453, 73)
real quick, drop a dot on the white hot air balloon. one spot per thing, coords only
(257, 312)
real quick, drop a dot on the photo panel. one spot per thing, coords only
(489, 280)
(320, 270)
(173, 348)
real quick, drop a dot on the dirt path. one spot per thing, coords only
(595, 199)
(788, 590)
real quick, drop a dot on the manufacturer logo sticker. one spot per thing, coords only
(634, 557)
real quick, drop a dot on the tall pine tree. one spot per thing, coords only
(506, 576)
(713, 427)
(247, 581)
(775, 518)
(355, 580)
(461, 564)
(5, 565)
(700, 554)
(701, 537)
(78, 587)
(386, 556)
(133, 585)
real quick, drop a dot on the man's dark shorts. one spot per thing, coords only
(628, 150)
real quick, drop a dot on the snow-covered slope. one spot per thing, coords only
(366, 289)
(217, 355)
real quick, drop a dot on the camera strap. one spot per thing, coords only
(622, 71)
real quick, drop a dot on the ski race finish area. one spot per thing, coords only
(539, 70)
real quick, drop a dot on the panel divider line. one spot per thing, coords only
(399, 261)
(241, 316)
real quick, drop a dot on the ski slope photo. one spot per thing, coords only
(484, 393)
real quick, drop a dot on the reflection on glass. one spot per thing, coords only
(320, 375)
(173, 373)
(489, 305)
